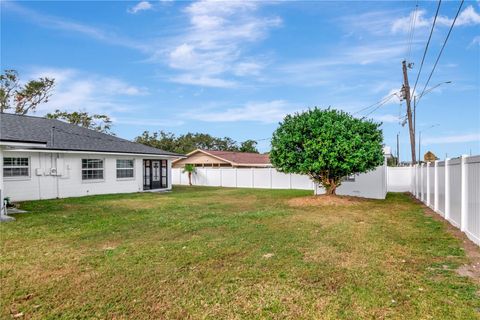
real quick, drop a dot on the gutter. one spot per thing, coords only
(96, 152)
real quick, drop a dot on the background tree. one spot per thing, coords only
(188, 142)
(326, 145)
(249, 146)
(23, 98)
(97, 122)
(190, 169)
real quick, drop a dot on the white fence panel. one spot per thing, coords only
(213, 177)
(262, 178)
(399, 179)
(229, 177)
(245, 178)
(424, 183)
(455, 195)
(453, 192)
(441, 187)
(280, 180)
(472, 165)
(431, 185)
(301, 182)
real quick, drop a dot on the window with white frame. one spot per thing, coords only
(125, 168)
(92, 169)
(16, 167)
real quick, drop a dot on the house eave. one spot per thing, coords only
(145, 155)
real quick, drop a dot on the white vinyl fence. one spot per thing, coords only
(452, 189)
(265, 178)
(368, 185)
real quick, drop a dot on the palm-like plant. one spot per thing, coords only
(189, 168)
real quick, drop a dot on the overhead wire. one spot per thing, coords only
(440, 53)
(426, 47)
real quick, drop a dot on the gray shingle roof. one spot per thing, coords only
(59, 135)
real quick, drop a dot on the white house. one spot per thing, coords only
(44, 159)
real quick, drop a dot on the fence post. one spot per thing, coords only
(236, 178)
(221, 177)
(428, 183)
(290, 180)
(435, 186)
(414, 180)
(271, 183)
(253, 178)
(422, 192)
(447, 189)
(414, 168)
(464, 193)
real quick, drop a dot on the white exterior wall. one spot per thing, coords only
(366, 185)
(68, 183)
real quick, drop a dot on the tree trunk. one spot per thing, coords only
(331, 187)
(190, 178)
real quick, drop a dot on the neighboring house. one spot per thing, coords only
(429, 157)
(224, 159)
(45, 158)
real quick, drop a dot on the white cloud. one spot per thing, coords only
(53, 22)
(149, 122)
(76, 90)
(214, 44)
(473, 137)
(475, 41)
(141, 6)
(468, 17)
(204, 81)
(264, 112)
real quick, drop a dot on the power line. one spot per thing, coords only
(441, 51)
(374, 104)
(426, 47)
(376, 108)
(412, 32)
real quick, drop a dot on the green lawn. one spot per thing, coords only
(214, 253)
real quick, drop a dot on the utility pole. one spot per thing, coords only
(406, 88)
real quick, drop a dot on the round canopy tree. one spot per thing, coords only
(327, 145)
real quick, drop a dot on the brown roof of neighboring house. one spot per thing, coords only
(240, 157)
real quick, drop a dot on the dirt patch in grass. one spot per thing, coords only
(324, 200)
(472, 251)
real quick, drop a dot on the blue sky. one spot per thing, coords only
(236, 68)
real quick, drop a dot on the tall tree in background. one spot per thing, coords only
(97, 122)
(23, 98)
(327, 145)
(188, 142)
(249, 146)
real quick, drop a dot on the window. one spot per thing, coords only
(92, 169)
(125, 168)
(16, 167)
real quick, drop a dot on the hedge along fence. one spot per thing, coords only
(452, 189)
